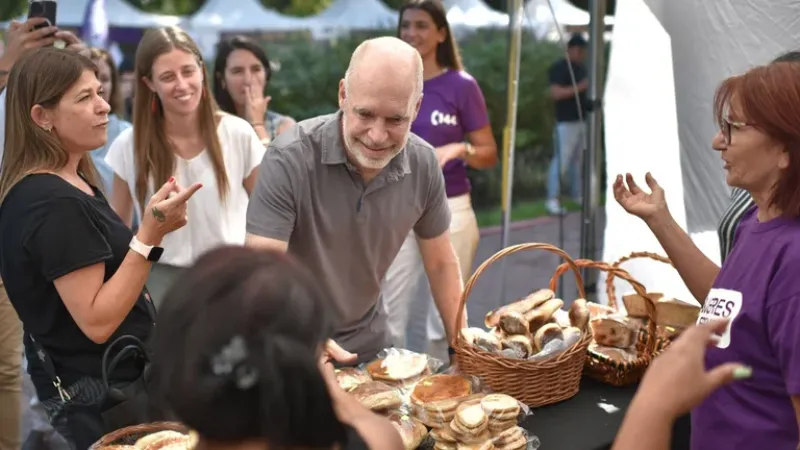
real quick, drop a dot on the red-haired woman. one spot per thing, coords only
(758, 287)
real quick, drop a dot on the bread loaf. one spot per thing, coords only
(675, 313)
(636, 305)
(546, 334)
(512, 322)
(519, 342)
(618, 355)
(538, 317)
(411, 431)
(598, 310)
(521, 306)
(579, 314)
(613, 331)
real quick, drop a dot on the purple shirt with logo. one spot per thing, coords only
(452, 106)
(758, 288)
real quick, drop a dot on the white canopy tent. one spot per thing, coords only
(243, 16)
(667, 59)
(540, 17)
(119, 12)
(348, 15)
(474, 14)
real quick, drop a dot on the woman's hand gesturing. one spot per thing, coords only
(166, 211)
(638, 202)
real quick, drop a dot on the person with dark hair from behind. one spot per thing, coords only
(241, 75)
(238, 358)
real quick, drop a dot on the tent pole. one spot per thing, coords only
(510, 131)
(592, 167)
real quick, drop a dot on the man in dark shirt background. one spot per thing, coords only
(570, 132)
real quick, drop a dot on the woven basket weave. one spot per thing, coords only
(598, 366)
(129, 435)
(535, 383)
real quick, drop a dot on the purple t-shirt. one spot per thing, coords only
(758, 288)
(452, 106)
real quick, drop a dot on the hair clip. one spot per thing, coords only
(232, 359)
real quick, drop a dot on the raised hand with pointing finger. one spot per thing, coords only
(166, 211)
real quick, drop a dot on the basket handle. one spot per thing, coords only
(611, 290)
(500, 255)
(617, 272)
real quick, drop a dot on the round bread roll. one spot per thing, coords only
(546, 334)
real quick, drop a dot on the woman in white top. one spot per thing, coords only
(179, 131)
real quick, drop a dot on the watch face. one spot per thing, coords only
(155, 253)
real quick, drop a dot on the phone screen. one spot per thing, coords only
(43, 8)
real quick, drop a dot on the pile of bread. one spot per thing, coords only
(402, 388)
(463, 420)
(534, 328)
(161, 440)
(615, 334)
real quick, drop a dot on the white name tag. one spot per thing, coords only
(721, 304)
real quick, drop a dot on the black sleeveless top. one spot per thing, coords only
(354, 440)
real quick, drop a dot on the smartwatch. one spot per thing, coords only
(150, 252)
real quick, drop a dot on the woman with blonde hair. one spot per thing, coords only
(73, 271)
(179, 131)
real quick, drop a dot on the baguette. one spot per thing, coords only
(528, 303)
(579, 314)
(538, 317)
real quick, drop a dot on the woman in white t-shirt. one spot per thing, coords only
(179, 131)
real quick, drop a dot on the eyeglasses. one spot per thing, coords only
(727, 126)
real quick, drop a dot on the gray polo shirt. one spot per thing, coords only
(347, 232)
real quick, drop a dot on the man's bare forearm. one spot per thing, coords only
(446, 287)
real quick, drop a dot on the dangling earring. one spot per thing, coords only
(154, 105)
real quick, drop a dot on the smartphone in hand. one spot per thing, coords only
(43, 8)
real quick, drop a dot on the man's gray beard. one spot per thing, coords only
(363, 161)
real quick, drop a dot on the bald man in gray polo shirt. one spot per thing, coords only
(341, 192)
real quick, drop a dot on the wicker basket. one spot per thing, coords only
(535, 383)
(603, 369)
(661, 343)
(129, 435)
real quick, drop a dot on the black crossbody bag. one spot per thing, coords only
(118, 406)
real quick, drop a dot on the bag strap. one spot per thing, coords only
(50, 368)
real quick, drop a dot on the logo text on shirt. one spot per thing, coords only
(440, 118)
(721, 304)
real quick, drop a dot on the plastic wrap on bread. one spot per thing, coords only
(350, 377)
(378, 396)
(402, 368)
(484, 421)
(411, 430)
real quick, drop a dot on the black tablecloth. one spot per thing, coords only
(580, 423)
